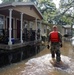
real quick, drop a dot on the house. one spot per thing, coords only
(66, 29)
(67, 32)
(19, 31)
(15, 17)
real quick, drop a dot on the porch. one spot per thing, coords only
(19, 45)
(20, 23)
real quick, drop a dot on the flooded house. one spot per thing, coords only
(19, 31)
(67, 29)
(67, 32)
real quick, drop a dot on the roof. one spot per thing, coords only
(14, 4)
(66, 26)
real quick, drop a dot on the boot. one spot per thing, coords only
(58, 59)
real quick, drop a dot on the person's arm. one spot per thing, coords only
(60, 36)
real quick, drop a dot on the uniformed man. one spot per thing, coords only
(55, 38)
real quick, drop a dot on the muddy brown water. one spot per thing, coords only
(40, 65)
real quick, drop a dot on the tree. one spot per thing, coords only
(48, 9)
(66, 12)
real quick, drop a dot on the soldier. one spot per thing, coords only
(56, 42)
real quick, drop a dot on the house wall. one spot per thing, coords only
(28, 10)
(43, 30)
(60, 29)
(32, 25)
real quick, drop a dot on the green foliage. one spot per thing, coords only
(68, 14)
(48, 9)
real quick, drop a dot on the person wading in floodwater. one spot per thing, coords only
(55, 39)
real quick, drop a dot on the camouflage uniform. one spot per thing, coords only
(55, 48)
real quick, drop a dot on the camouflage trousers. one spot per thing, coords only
(55, 50)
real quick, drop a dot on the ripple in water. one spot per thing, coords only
(42, 66)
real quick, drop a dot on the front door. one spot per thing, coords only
(18, 29)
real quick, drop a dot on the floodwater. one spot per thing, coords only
(40, 64)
